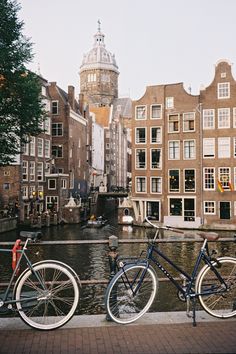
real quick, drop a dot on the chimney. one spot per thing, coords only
(71, 96)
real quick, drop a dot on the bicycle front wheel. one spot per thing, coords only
(131, 293)
(218, 297)
(47, 296)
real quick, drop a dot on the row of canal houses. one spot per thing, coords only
(176, 150)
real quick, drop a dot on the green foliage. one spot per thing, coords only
(21, 108)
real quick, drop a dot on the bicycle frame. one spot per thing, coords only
(204, 256)
(11, 281)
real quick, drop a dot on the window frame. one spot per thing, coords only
(136, 135)
(158, 185)
(223, 90)
(143, 116)
(136, 184)
(151, 111)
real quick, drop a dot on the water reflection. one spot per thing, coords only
(91, 261)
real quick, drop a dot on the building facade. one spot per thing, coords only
(183, 153)
(69, 138)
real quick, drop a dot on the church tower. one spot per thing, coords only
(99, 74)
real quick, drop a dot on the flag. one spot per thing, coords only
(230, 186)
(220, 188)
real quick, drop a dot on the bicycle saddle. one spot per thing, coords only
(210, 236)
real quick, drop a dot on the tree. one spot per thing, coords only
(21, 107)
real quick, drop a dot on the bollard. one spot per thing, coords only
(112, 256)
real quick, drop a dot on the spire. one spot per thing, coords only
(99, 37)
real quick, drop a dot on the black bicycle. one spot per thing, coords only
(45, 294)
(132, 290)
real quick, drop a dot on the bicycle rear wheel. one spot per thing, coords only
(47, 297)
(131, 293)
(217, 298)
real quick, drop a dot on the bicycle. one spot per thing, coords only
(45, 294)
(132, 290)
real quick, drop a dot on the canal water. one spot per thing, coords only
(91, 261)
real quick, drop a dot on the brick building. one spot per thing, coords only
(69, 138)
(183, 151)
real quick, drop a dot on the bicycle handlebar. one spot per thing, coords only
(164, 227)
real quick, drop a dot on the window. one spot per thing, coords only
(209, 207)
(31, 191)
(209, 178)
(156, 111)
(234, 117)
(25, 170)
(156, 185)
(174, 150)
(141, 112)
(155, 158)
(209, 147)
(153, 209)
(57, 150)
(40, 171)
(234, 142)
(40, 147)
(174, 180)
(224, 177)
(25, 192)
(25, 149)
(223, 90)
(173, 123)
(156, 137)
(32, 146)
(140, 184)
(57, 129)
(47, 148)
(52, 203)
(52, 184)
(63, 183)
(189, 149)
(189, 180)
(175, 206)
(47, 125)
(91, 77)
(189, 122)
(140, 158)
(223, 147)
(223, 118)
(208, 119)
(55, 106)
(6, 173)
(182, 207)
(32, 170)
(140, 135)
(169, 102)
(6, 186)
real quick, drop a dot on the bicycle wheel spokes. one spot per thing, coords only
(131, 293)
(219, 298)
(47, 298)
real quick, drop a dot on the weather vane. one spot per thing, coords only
(99, 25)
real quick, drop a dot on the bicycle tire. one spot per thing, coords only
(65, 265)
(221, 303)
(121, 305)
(51, 302)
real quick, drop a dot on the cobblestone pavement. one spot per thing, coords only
(208, 337)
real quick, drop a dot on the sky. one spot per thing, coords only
(154, 41)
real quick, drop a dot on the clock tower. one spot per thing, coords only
(99, 74)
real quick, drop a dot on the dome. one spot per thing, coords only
(98, 57)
